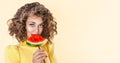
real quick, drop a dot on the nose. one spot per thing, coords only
(36, 30)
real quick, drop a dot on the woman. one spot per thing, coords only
(32, 18)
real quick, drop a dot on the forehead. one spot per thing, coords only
(35, 19)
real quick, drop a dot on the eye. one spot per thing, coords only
(32, 25)
(41, 25)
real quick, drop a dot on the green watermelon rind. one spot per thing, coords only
(36, 44)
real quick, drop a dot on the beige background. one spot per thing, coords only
(88, 30)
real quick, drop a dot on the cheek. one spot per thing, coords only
(29, 31)
(41, 30)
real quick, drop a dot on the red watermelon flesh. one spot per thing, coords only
(36, 40)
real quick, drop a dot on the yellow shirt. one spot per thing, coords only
(23, 53)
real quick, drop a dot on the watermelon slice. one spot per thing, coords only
(36, 40)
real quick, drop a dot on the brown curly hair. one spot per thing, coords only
(18, 22)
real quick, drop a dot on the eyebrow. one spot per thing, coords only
(34, 23)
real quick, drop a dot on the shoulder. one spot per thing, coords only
(11, 47)
(12, 54)
(12, 50)
(50, 45)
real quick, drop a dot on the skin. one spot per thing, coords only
(34, 25)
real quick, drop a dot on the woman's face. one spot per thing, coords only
(34, 25)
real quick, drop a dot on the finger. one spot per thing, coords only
(40, 54)
(42, 57)
(40, 50)
(39, 58)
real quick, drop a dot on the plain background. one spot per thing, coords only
(88, 30)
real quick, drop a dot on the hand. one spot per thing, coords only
(39, 55)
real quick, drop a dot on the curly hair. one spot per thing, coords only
(18, 22)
